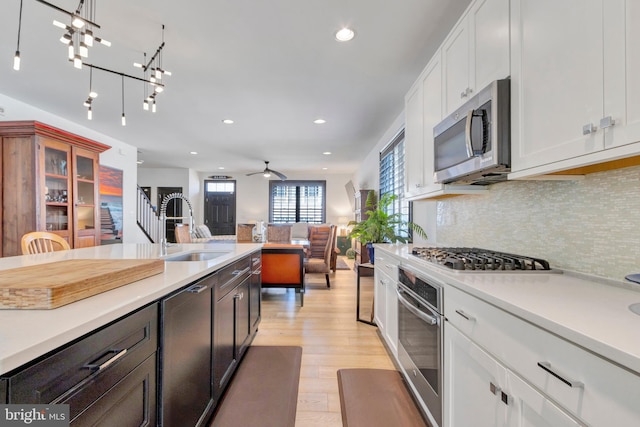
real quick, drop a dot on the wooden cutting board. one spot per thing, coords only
(52, 285)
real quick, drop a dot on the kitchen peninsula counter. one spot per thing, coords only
(28, 334)
(585, 310)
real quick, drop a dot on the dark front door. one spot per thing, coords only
(220, 207)
(174, 209)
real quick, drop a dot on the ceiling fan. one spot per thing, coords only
(267, 172)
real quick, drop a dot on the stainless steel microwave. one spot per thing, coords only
(472, 145)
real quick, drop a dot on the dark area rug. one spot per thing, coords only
(341, 264)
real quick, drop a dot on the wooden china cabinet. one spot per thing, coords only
(50, 182)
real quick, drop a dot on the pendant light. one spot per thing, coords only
(124, 119)
(16, 58)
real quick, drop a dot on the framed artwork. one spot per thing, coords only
(110, 205)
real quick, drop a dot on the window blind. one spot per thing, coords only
(297, 201)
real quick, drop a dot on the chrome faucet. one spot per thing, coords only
(163, 219)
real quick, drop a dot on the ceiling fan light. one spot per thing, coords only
(266, 174)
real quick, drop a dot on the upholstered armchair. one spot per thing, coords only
(283, 267)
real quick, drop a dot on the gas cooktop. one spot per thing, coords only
(476, 259)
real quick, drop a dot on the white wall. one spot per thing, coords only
(121, 156)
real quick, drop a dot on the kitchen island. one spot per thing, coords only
(153, 351)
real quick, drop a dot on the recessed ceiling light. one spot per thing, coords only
(227, 121)
(345, 34)
(319, 121)
(327, 153)
(193, 152)
(140, 162)
(220, 167)
(324, 169)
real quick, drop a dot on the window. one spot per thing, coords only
(297, 201)
(392, 176)
(221, 187)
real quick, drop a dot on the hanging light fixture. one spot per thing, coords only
(16, 58)
(92, 95)
(124, 119)
(153, 69)
(81, 26)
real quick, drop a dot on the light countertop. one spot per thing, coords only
(590, 312)
(28, 334)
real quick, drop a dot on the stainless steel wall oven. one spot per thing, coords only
(420, 345)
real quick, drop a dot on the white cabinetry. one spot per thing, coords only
(484, 393)
(587, 387)
(386, 300)
(575, 101)
(475, 52)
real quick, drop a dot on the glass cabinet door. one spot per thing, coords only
(57, 189)
(85, 198)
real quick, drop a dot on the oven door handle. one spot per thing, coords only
(431, 320)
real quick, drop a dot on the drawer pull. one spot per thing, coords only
(466, 316)
(117, 355)
(571, 383)
(196, 289)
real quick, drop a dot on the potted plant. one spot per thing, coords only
(380, 226)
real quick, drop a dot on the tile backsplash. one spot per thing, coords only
(591, 226)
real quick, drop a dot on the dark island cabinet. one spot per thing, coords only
(231, 321)
(186, 344)
(107, 375)
(255, 292)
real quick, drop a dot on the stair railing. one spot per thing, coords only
(147, 217)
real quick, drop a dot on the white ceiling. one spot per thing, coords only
(273, 66)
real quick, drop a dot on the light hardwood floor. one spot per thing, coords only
(330, 337)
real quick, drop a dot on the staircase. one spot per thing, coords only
(147, 217)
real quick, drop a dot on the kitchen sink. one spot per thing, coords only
(635, 308)
(196, 256)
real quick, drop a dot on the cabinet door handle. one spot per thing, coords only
(606, 122)
(196, 289)
(494, 389)
(504, 397)
(589, 128)
(546, 366)
(466, 316)
(117, 355)
(239, 296)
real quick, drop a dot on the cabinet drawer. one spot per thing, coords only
(586, 385)
(230, 276)
(101, 358)
(387, 264)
